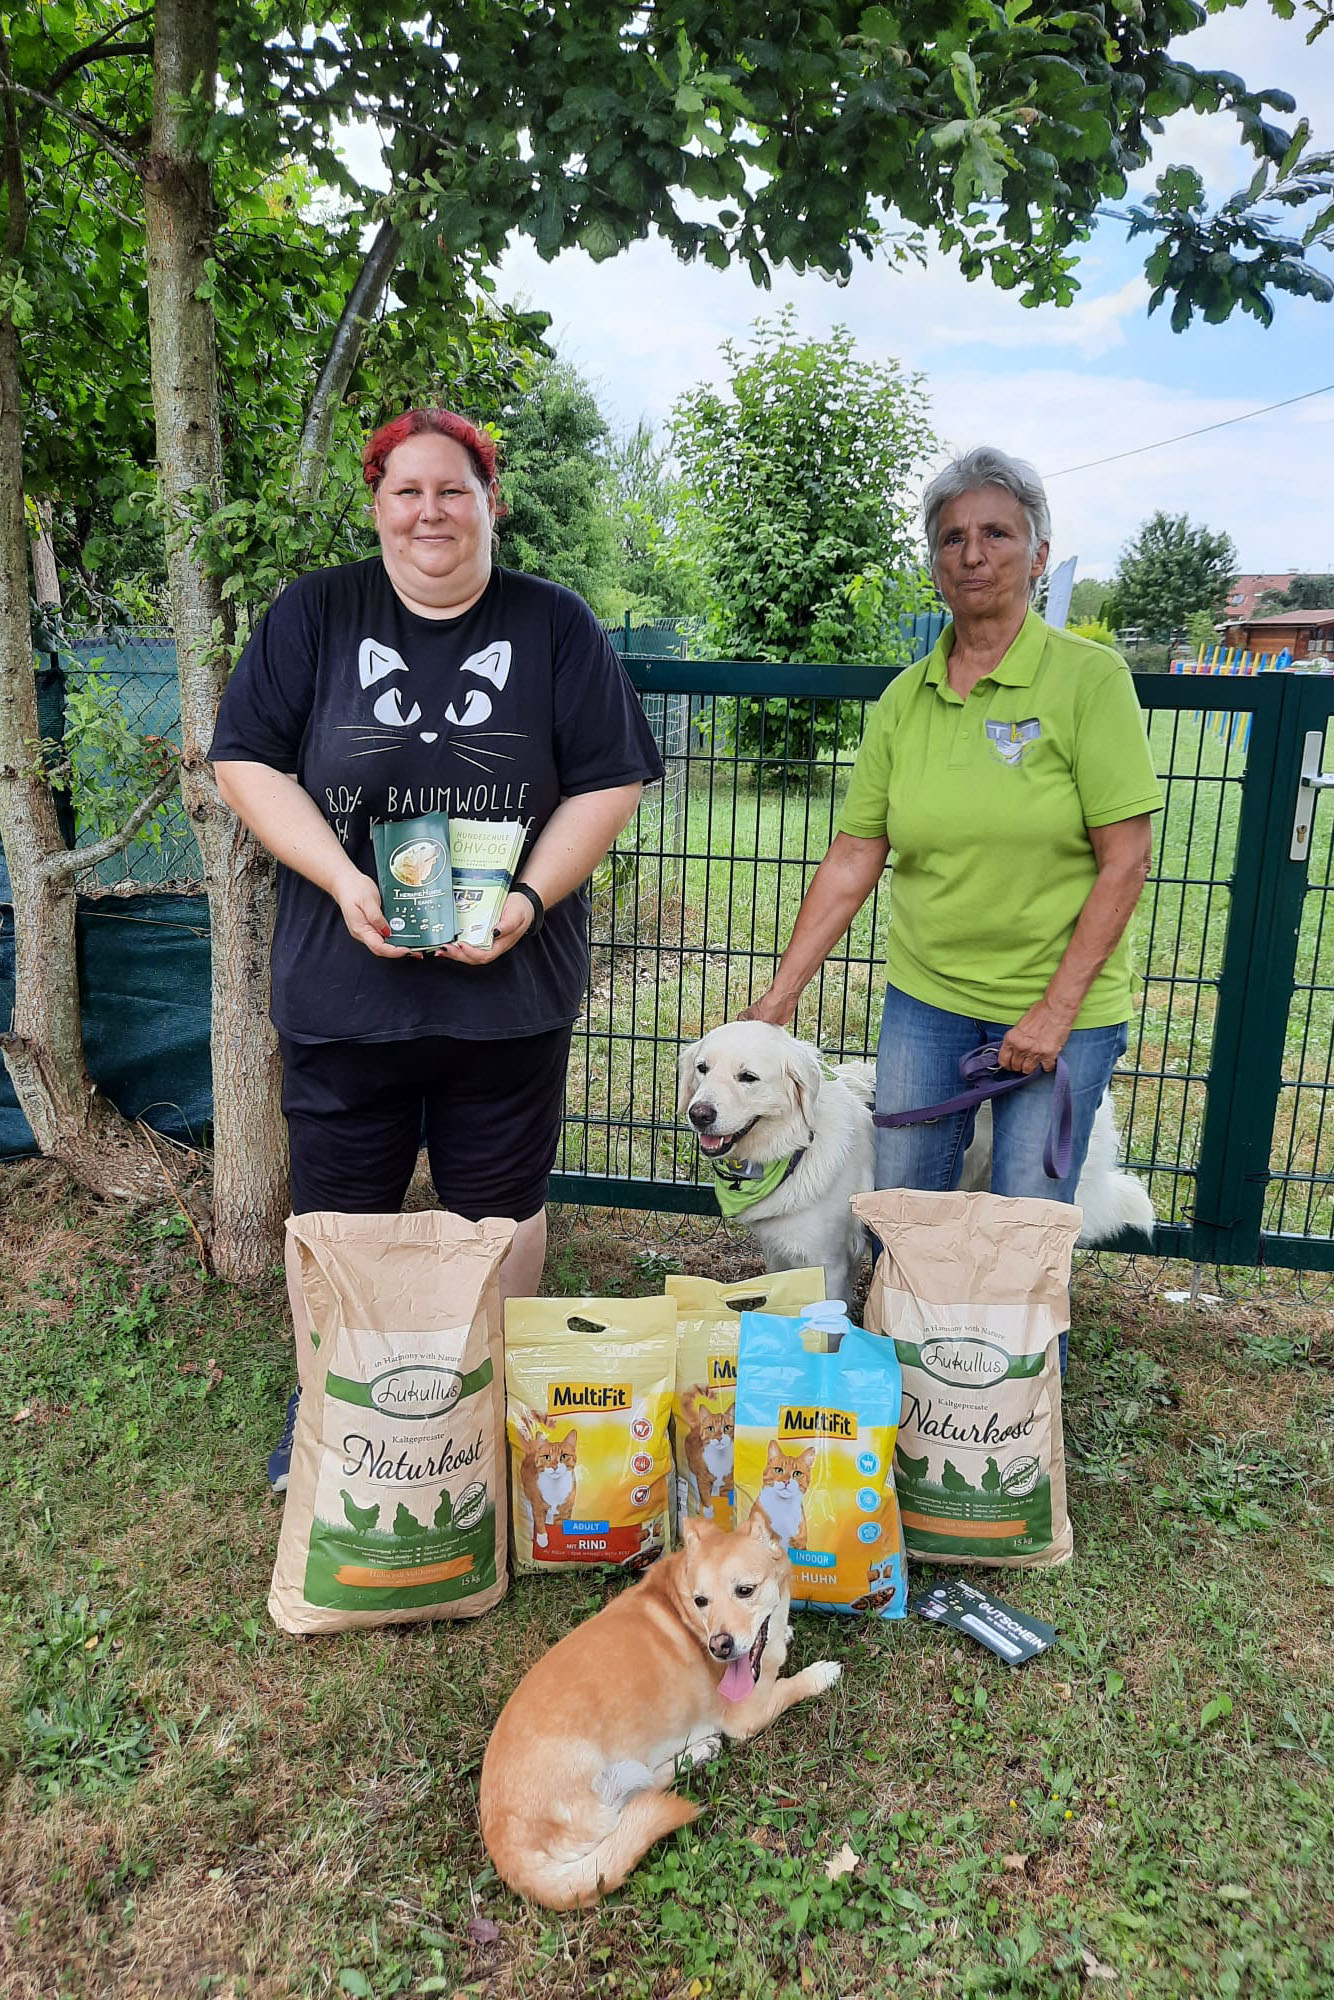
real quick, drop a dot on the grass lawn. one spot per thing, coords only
(195, 1804)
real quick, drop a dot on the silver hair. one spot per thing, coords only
(986, 466)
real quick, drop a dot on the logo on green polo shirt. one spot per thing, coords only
(1009, 740)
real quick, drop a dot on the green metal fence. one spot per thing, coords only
(1225, 1095)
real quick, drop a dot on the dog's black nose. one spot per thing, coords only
(722, 1645)
(702, 1116)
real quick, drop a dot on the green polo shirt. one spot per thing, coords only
(986, 803)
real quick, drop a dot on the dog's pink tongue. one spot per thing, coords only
(738, 1681)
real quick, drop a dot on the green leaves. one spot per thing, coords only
(965, 82)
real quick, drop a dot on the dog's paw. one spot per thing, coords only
(701, 1752)
(824, 1673)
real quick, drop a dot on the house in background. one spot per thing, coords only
(1241, 599)
(1304, 634)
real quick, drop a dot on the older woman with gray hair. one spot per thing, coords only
(1009, 773)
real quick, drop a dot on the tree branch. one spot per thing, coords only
(110, 140)
(77, 860)
(362, 303)
(72, 68)
(99, 51)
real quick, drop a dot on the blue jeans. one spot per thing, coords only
(917, 1063)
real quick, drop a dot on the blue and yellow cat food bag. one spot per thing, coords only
(589, 1385)
(815, 1435)
(708, 1328)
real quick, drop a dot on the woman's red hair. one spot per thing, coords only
(480, 448)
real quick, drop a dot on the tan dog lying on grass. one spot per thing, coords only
(577, 1777)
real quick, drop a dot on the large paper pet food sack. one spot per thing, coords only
(590, 1386)
(396, 1504)
(815, 1436)
(975, 1291)
(708, 1327)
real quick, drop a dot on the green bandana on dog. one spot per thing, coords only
(740, 1184)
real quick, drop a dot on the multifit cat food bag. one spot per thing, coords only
(396, 1504)
(815, 1437)
(975, 1291)
(708, 1327)
(589, 1384)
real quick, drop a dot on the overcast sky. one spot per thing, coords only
(1057, 386)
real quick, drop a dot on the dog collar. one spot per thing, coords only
(741, 1184)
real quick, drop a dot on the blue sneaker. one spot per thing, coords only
(280, 1458)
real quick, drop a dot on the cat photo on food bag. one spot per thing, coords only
(710, 1451)
(704, 1411)
(547, 1475)
(786, 1480)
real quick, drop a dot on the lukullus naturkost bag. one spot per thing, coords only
(396, 1504)
(974, 1290)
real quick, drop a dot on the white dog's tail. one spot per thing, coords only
(576, 1882)
(1112, 1202)
(860, 1079)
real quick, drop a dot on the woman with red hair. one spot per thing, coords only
(429, 679)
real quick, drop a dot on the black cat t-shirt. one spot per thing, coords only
(382, 715)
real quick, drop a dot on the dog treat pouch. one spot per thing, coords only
(416, 880)
(815, 1435)
(396, 1503)
(975, 1291)
(708, 1327)
(590, 1385)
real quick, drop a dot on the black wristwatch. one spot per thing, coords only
(539, 907)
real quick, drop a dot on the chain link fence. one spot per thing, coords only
(135, 675)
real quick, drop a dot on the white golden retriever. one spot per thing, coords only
(755, 1094)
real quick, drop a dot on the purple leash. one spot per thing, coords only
(984, 1080)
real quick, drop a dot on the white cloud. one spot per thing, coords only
(1259, 481)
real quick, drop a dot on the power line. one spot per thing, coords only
(1181, 436)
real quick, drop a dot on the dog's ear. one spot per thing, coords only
(685, 1078)
(691, 1530)
(801, 1066)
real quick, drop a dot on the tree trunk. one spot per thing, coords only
(250, 1195)
(45, 575)
(43, 1046)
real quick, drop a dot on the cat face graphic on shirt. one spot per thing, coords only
(396, 708)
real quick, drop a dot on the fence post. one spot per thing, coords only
(1254, 989)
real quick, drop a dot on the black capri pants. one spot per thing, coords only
(490, 1114)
